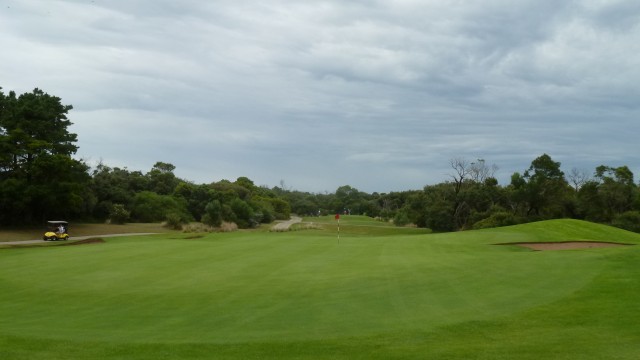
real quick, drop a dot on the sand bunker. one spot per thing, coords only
(566, 245)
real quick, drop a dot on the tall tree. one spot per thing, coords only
(578, 178)
(542, 188)
(37, 174)
(480, 171)
(161, 178)
(32, 125)
(616, 189)
(474, 189)
(113, 186)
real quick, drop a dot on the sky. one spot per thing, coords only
(313, 95)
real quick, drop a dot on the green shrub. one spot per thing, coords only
(497, 219)
(281, 209)
(213, 214)
(103, 211)
(629, 220)
(118, 214)
(175, 221)
(267, 216)
(227, 214)
(151, 207)
(244, 214)
(401, 218)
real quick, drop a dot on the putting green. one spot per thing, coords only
(245, 287)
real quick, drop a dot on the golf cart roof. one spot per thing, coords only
(57, 222)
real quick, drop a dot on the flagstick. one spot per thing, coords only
(338, 230)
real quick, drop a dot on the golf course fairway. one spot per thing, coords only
(376, 292)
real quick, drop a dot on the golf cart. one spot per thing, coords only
(56, 230)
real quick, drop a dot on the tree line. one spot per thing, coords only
(40, 180)
(473, 199)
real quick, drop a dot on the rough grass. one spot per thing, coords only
(203, 228)
(308, 295)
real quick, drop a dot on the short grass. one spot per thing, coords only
(306, 294)
(361, 225)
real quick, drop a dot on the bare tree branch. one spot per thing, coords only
(578, 177)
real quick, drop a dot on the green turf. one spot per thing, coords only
(308, 294)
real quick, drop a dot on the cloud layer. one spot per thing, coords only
(379, 95)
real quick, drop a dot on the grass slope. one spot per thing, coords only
(306, 294)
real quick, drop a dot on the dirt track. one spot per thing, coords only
(285, 225)
(26, 242)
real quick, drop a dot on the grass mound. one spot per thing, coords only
(377, 292)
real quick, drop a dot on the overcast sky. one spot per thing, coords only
(379, 95)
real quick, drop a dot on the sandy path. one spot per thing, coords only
(25, 242)
(285, 225)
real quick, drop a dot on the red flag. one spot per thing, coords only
(337, 216)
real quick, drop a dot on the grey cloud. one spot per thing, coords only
(615, 15)
(375, 94)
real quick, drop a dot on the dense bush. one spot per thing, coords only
(213, 214)
(629, 220)
(175, 220)
(118, 214)
(151, 207)
(401, 218)
(244, 215)
(497, 219)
